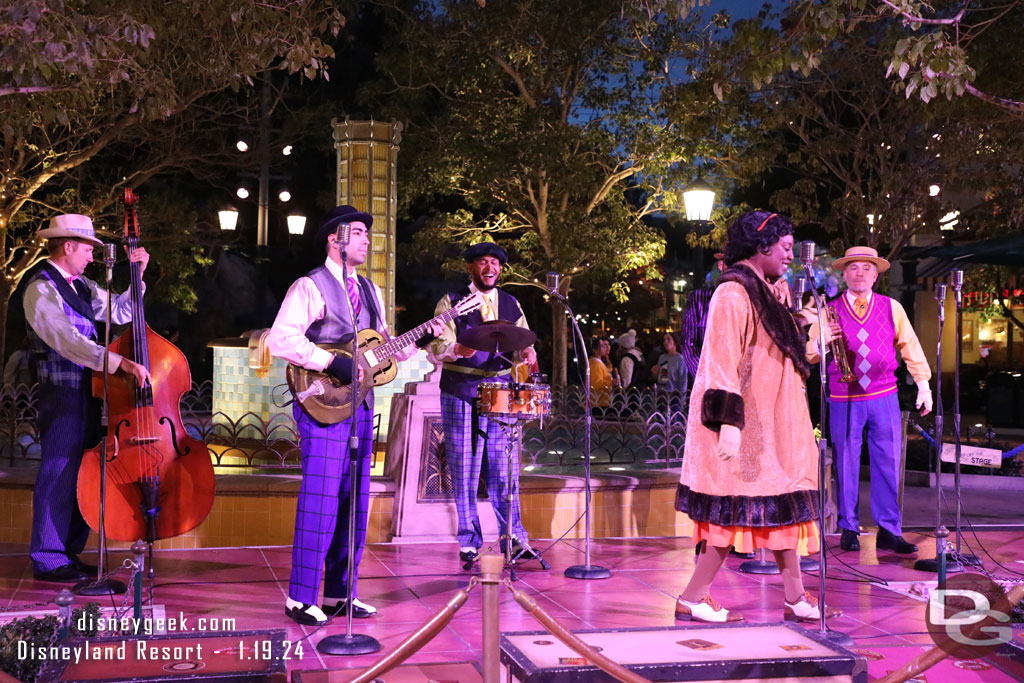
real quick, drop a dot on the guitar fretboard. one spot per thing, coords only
(391, 347)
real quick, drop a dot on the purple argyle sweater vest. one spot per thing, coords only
(871, 350)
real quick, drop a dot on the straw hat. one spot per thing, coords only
(73, 225)
(861, 254)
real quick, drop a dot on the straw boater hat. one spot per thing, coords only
(861, 254)
(73, 225)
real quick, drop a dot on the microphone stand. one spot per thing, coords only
(351, 643)
(837, 637)
(102, 586)
(957, 281)
(586, 571)
(940, 564)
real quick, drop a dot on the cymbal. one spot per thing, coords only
(497, 336)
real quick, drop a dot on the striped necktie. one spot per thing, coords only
(353, 296)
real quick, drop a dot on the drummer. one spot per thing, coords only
(463, 370)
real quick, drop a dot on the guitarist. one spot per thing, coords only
(463, 370)
(314, 312)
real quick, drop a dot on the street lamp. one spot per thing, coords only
(228, 219)
(698, 199)
(296, 224)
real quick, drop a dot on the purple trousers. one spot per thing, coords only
(320, 547)
(878, 421)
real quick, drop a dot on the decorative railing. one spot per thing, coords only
(637, 427)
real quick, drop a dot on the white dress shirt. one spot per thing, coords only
(302, 306)
(44, 311)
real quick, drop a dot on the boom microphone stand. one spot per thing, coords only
(807, 258)
(940, 564)
(957, 280)
(102, 586)
(586, 570)
(350, 643)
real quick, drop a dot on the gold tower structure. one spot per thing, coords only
(367, 180)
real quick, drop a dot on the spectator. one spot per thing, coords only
(631, 362)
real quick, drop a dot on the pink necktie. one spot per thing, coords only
(353, 295)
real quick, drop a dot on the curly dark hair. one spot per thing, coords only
(745, 240)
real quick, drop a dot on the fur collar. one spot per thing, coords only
(777, 320)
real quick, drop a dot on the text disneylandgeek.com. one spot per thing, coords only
(142, 650)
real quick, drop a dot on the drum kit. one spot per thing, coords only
(509, 404)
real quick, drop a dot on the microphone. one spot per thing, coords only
(956, 279)
(343, 234)
(551, 282)
(798, 289)
(807, 253)
(940, 296)
(109, 259)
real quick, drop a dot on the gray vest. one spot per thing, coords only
(336, 327)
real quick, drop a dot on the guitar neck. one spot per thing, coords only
(390, 348)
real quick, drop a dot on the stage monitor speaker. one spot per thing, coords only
(735, 652)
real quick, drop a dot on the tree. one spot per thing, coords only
(543, 126)
(131, 100)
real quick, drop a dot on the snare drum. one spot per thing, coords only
(525, 401)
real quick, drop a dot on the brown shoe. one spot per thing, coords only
(707, 610)
(806, 609)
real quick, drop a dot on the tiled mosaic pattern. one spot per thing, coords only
(237, 390)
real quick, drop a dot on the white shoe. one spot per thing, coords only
(707, 610)
(309, 615)
(806, 609)
(336, 607)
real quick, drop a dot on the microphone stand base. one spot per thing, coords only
(969, 560)
(932, 565)
(588, 572)
(101, 587)
(809, 564)
(355, 644)
(760, 567)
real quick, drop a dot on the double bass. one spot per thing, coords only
(160, 481)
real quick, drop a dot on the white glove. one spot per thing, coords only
(728, 442)
(924, 398)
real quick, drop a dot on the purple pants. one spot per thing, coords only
(879, 420)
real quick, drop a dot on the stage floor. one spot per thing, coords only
(408, 583)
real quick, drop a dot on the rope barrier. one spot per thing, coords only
(423, 635)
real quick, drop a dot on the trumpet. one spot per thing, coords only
(838, 348)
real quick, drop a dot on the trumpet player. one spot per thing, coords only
(872, 329)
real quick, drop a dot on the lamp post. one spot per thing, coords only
(296, 224)
(228, 219)
(698, 201)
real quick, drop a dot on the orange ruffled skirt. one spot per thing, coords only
(803, 537)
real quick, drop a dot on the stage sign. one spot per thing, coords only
(973, 455)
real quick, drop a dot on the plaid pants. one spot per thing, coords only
(491, 441)
(321, 518)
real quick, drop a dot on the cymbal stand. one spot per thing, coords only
(512, 431)
(351, 643)
(837, 637)
(586, 571)
(102, 586)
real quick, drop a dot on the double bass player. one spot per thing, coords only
(61, 310)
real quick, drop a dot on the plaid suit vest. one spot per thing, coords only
(334, 327)
(53, 368)
(460, 384)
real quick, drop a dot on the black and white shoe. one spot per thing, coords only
(336, 607)
(307, 615)
(467, 556)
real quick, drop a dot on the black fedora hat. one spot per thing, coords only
(481, 249)
(338, 215)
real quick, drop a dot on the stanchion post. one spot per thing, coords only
(490, 576)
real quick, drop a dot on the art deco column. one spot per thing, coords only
(367, 177)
